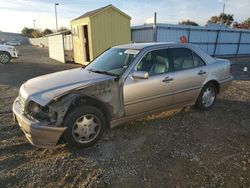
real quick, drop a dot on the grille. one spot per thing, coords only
(21, 102)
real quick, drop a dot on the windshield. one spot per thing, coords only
(113, 61)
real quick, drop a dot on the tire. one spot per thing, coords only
(5, 57)
(206, 97)
(86, 125)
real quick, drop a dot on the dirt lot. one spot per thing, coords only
(181, 148)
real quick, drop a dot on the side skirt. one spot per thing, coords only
(116, 122)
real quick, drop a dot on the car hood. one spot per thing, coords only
(43, 89)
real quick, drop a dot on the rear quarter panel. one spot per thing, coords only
(219, 70)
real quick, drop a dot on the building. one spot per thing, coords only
(98, 30)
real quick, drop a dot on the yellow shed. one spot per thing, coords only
(98, 30)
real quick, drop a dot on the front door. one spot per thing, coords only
(144, 95)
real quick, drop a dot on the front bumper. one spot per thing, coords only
(38, 133)
(14, 54)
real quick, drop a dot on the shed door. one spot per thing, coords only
(86, 42)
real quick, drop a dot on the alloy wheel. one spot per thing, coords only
(86, 128)
(208, 97)
(4, 58)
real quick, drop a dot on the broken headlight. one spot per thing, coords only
(33, 108)
(41, 113)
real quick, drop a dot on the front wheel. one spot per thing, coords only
(86, 125)
(4, 57)
(207, 97)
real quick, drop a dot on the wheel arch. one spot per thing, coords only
(91, 101)
(215, 83)
(6, 52)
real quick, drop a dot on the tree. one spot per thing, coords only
(247, 20)
(213, 20)
(36, 33)
(243, 25)
(27, 31)
(47, 32)
(31, 33)
(226, 19)
(62, 29)
(188, 22)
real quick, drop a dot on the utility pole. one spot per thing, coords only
(223, 13)
(56, 16)
(154, 28)
(34, 24)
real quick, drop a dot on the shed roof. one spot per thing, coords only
(97, 11)
(66, 32)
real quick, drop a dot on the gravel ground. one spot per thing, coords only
(180, 148)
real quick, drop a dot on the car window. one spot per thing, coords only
(197, 60)
(113, 61)
(155, 62)
(182, 58)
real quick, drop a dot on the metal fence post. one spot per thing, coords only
(216, 42)
(238, 47)
(189, 31)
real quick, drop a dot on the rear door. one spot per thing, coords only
(190, 72)
(144, 95)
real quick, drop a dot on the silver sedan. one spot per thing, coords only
(124, 83)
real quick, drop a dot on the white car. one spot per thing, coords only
(7, 53)
(13, 43)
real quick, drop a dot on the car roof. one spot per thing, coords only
(139, 46)
(153, 45)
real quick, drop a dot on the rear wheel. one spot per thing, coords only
(4, 57)
(86, 125)
(207, 97)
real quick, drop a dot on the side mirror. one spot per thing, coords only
(140, 74)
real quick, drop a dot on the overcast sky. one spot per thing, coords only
(16, 14)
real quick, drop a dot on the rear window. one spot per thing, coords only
(197, 60)
(182, 58)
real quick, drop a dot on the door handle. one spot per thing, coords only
(201, 73)
(167, 79)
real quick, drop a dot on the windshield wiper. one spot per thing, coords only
(102, 72)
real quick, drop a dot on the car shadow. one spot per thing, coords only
(171, 121)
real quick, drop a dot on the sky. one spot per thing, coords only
(17, 14)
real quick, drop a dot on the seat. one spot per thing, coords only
(146, 66)
(161, 66)
(158, 69)
(187, 63)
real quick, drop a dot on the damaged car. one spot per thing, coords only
(124, 83)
